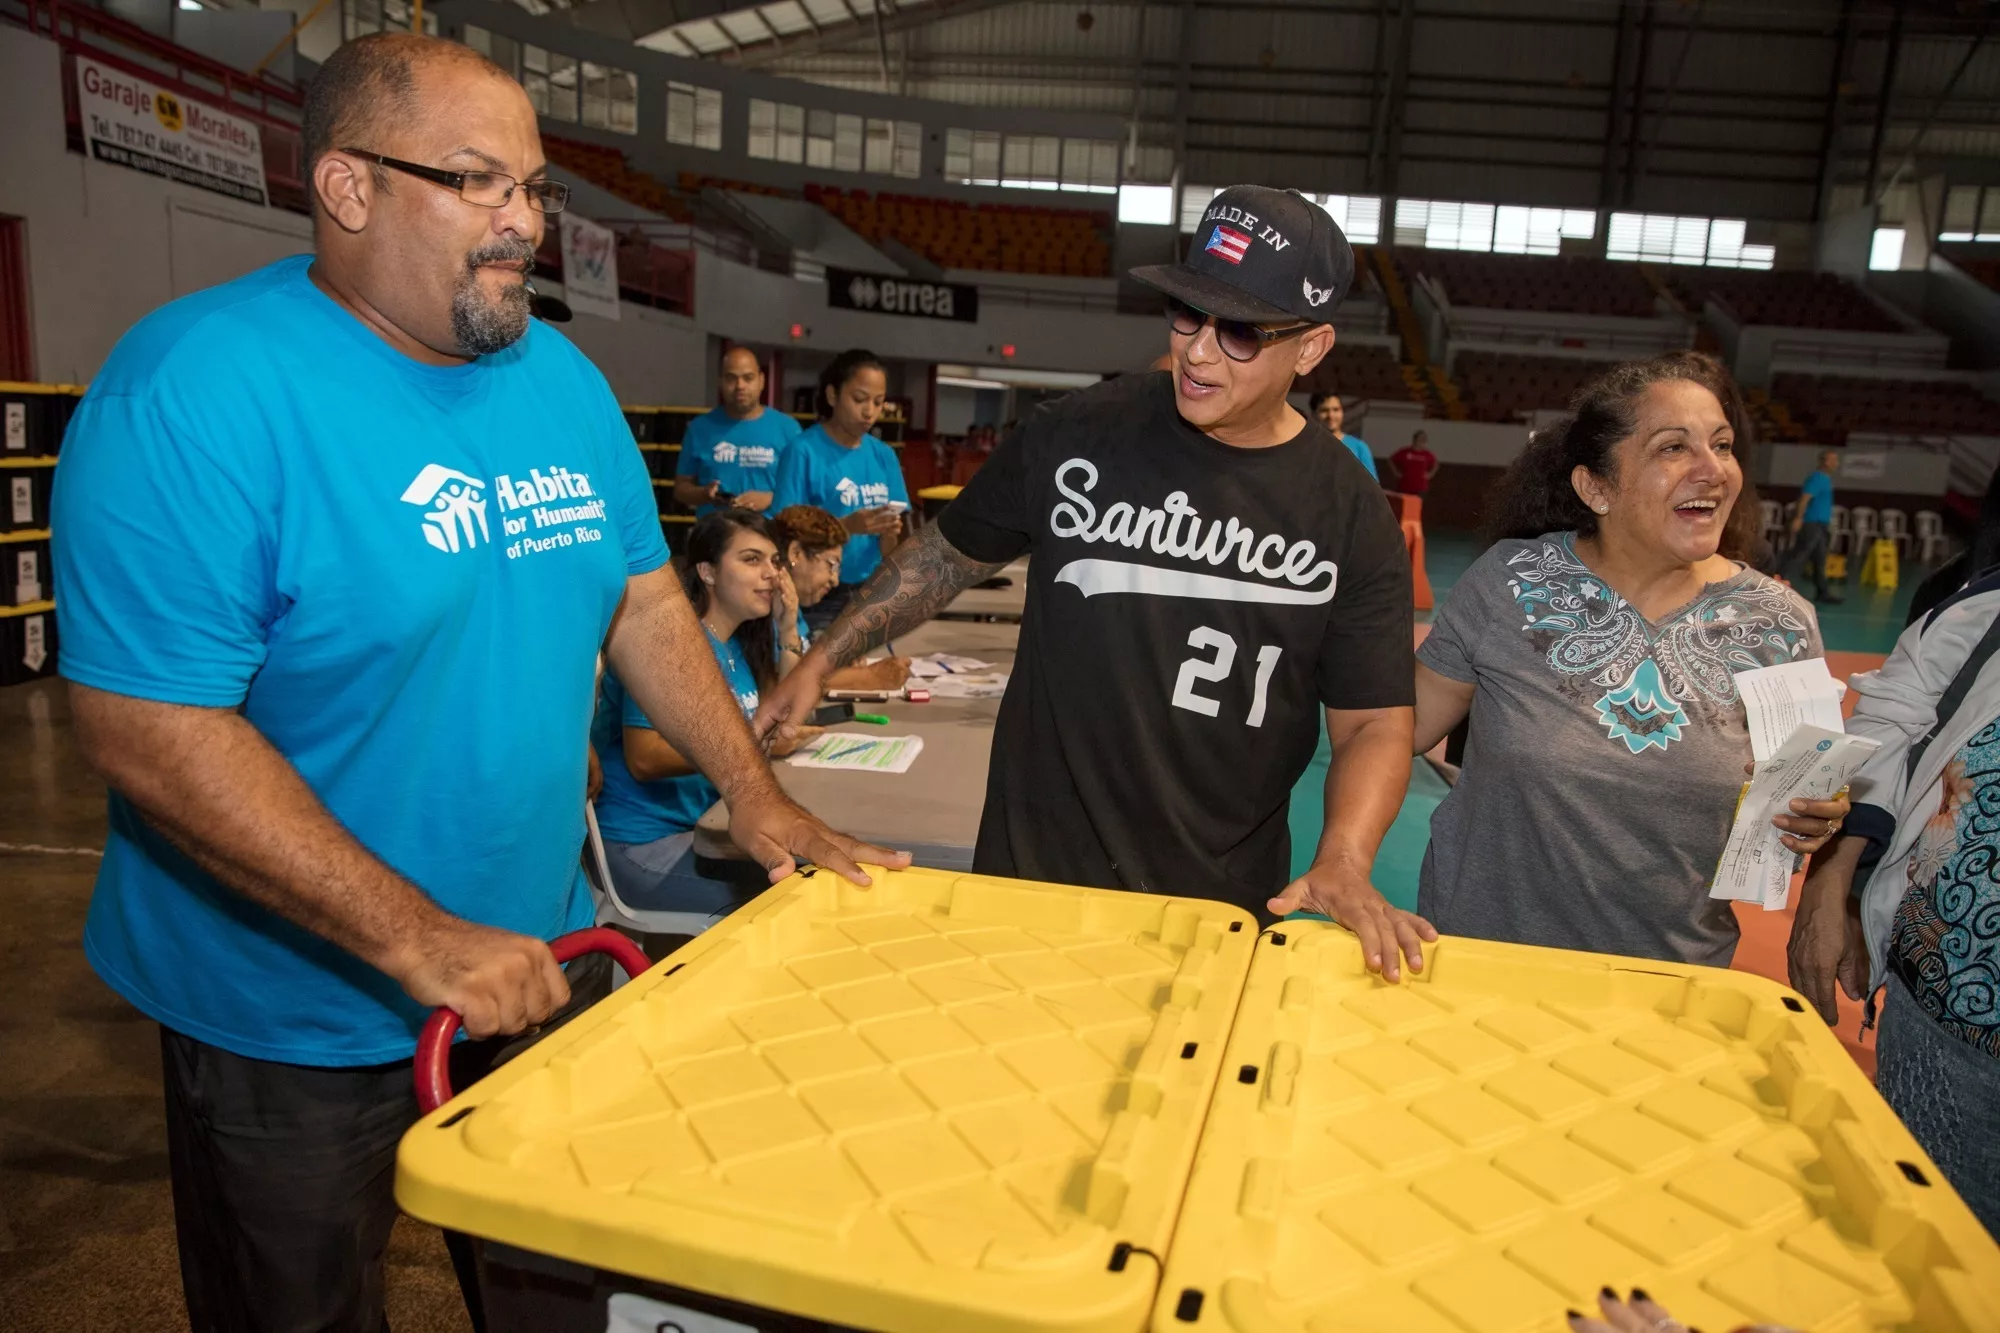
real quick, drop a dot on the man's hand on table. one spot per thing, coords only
(1350, 899)
(784, 707)
(777, 833)
(794, 740)
(499, 983)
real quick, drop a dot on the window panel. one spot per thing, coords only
(1358, 216)
(958, 155)
(478, 39)
(624, 101)
(791, 133)
(1075, 164)
(596, 89)
(708, 118)
(878, 147)
(562, 87)
(535, 77)
(1017, 158)
(1046, 169)
(847, 132)
(819, 139)
(763, 140)
(1961, 213)
(909, 155)
(1989, 215)
(1103, 165)
(1149, 205)
(1194, 202)
(1886, 249)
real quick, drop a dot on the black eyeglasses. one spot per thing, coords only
(1239, 339)
(487, 189)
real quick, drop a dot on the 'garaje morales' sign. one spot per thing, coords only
(140, 125)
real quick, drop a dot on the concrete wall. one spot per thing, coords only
(107, 244)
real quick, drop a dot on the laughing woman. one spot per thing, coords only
(1594, 647)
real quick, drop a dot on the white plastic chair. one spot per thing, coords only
(1838, 530)
(613, 911)
(1931, 541)
(1896, 527)
(1861, 520)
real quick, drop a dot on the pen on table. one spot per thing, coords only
(877, 718)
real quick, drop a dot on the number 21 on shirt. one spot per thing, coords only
(1217, 668)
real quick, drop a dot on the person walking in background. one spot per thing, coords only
(840, 466)
(1812, 528)
(1414, 465)
(733, 450)
(1328, 410)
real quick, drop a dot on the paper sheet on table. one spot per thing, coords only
(1813, 764)
(945, 664)
(868, 754)
(989, 686)
(1779, 699)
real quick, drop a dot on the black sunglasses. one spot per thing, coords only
(1239, 339)
(487, 189)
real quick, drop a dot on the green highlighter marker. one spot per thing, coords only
(877, 718)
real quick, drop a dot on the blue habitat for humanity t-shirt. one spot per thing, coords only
(1818, 492)
(629, 810)
(742, 455)
(400, 574)
(818, 470)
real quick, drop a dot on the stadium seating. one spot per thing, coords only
(1498, 386)
(1360, 371)
(1822, 409)
(1004, 238)
(1568, 285)
(1787, 298)
(607, 169)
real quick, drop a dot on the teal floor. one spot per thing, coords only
(1867, 622)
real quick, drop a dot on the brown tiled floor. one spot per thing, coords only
(86, 1218)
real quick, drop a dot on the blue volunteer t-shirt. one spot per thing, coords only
(1362, 453)
(742, 455)
(818, 470)
(265, 507)
(629, 810)
(1818, 492)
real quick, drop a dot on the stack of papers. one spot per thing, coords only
(989, 686)
(1801, 752)
(873, 754)
(946, 664)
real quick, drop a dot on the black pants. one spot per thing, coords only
(284, 1175)
(1808, 549)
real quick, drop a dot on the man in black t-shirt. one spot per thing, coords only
(1210, 571)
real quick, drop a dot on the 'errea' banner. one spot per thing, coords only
(848, 290)
(136, 124)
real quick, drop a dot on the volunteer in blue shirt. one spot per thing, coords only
(733, 450)
(1812, 529)
(841, 467)
(1331, 413)
(340, 543)
(653, 792)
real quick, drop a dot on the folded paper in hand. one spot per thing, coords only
(1812, 765)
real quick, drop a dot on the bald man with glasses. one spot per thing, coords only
(1212, 575)
(341, 542)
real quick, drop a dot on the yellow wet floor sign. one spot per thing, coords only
(1879, 569)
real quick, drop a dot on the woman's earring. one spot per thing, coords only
(1602, 509)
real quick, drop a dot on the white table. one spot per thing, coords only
(992, 604)
(932, 811)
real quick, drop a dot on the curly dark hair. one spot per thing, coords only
(811, 527)
(1536, 496)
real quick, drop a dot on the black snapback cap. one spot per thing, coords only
(1260, 255)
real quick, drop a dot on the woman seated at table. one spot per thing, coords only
(838, 465)
(1594, 647)
(809, 546)
(652, 796)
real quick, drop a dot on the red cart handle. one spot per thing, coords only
(433, 1065)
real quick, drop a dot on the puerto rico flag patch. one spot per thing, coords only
(1228, 243)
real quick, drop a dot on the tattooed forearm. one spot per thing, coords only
(914, 584)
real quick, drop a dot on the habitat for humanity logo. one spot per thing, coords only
(455, 507)
(560, 505)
